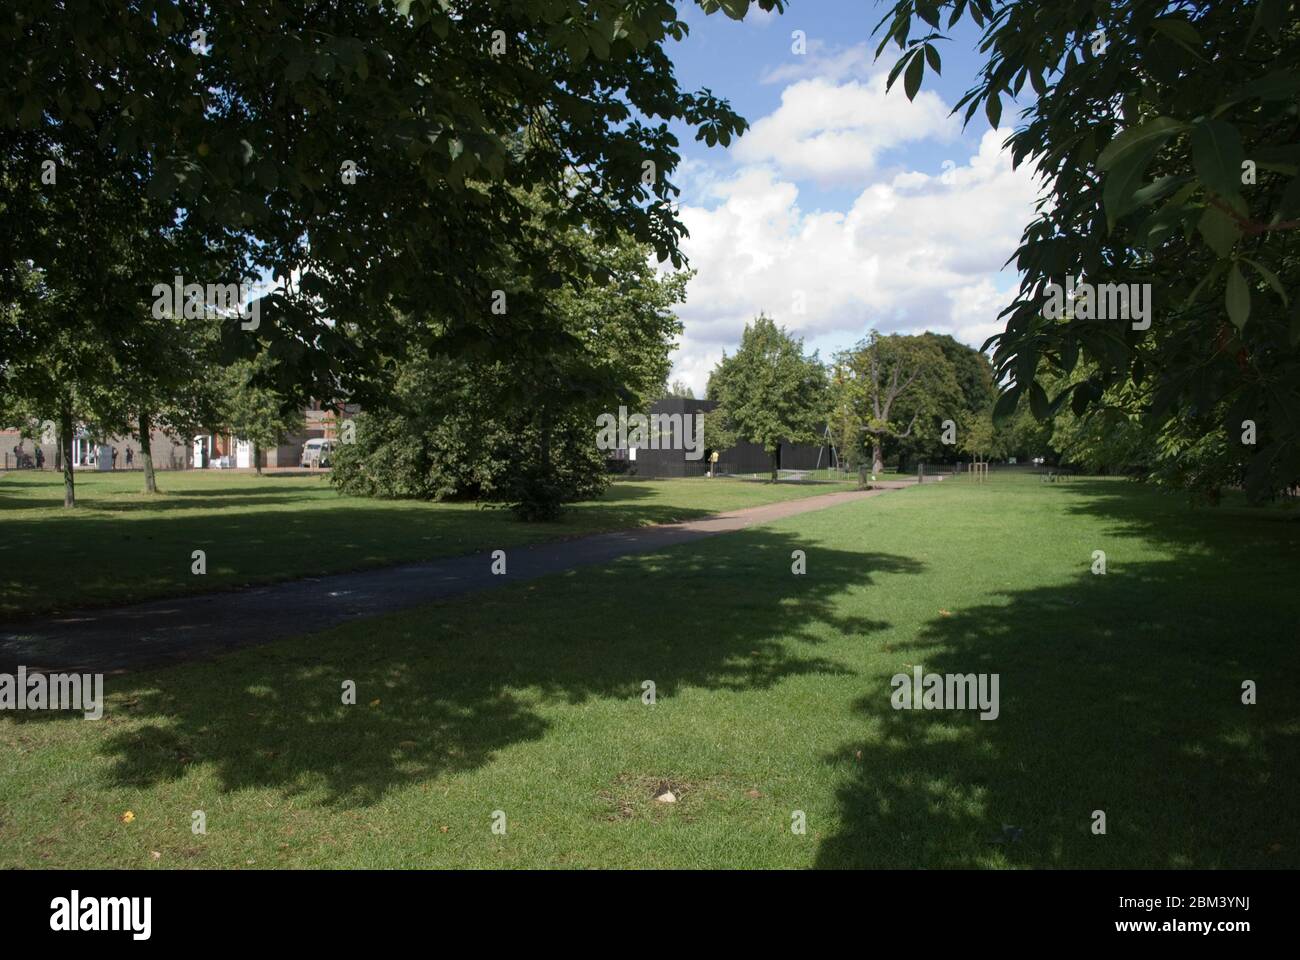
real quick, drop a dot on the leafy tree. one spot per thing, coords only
(55, 364)
(254, 410)
(889, 381)
(374, 156)
(965, 388)
(518, 430)
(84, 246)
(170, 382)
(1166, 138)
(977, 436)
(769, 393)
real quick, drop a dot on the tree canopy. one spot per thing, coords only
(1166, 138)
(374, 156)
(769, 392)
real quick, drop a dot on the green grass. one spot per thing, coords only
(120, 545)
(1118, 692)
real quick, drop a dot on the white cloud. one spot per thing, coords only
(918, 251)
(824, 63)
(835, 132)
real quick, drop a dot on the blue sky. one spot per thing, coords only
(843, 208)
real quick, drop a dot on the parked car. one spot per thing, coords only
(316, 453)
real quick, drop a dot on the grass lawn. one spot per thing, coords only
(1119, 693)
(121, 545)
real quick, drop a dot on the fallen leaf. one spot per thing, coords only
(127, 817)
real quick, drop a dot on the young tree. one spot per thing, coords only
(84, 245)
(56, 366)
(977, 435)
(254, 411)
(769, 393)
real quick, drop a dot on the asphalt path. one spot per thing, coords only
(118, 639)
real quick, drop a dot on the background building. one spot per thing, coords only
(744, 457)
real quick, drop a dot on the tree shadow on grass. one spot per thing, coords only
(90, 557)
(445, 687)
(1120, 693)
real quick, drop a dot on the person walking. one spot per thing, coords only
(114, 460)
(130, 457)
(40, 457)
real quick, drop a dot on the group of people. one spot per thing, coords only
(24, 460)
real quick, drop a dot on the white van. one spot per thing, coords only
(316, 452)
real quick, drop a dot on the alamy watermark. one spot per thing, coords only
(658, 431)
(75, 913)
(946, 691)
(54, 691)
(196, 301)
(1105, 301)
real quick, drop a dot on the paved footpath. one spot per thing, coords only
(113, 639)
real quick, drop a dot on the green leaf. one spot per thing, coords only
(993, 109)
(1139, 139)
(1125, 162)
(1270, 278)
(599, 45)
(1219, 230)
(1059, 401)
(1158, 190)
(1237, 298)
(1084, 394)
(1217, 156)
(1006, 406)
(1181, 32)
(1039, 405)
(912, 78)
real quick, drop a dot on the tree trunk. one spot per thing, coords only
(257, 457)
(545, 446)
(65, 444)
(775, 454)
(877, 458)
(146, 454)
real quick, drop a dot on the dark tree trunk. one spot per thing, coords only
(545, 449)
(146, 454)
(775, 454)
(65, 444)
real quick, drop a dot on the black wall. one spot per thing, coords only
(745, 457)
